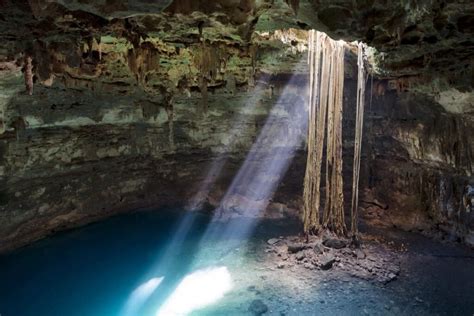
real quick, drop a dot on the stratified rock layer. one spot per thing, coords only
(145, 104)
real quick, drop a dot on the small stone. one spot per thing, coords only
(359, 254)
(334, 243)
(280, 265)
(346, 251)
(294, 248)
(300, 256)
(309, 266)
(327, 262)
(273, 241)
(257, 307)
(318, 249)
(392, 276)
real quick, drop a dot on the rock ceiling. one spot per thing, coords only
(412, 38)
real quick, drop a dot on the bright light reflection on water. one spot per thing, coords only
(197, 290)
(140, 295)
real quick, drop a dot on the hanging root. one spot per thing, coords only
(326, 60)
(326, 86)
(358, 141)
(313, 173)
(333, 217)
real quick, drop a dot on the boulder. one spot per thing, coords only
(300, 255)
(359, 254)
(296, 247)
(334, 243)
(257, 307)
(327, 262)
(318, 249)
(273, 241)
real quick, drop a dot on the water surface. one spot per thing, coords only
(168, 262)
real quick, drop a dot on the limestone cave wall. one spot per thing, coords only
(418, 168)
(147, 104)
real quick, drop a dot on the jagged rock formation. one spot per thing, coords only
(110, 125)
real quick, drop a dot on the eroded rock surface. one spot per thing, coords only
(141, 104)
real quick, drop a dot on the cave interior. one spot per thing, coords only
(236, 157)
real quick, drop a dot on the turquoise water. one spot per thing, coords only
(173, 263)
(95, 269)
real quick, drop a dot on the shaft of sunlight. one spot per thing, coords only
(165, 260)
(229, 140)
(267, 161)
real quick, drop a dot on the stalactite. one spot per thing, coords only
(142, 61)
(19, 124)
(170, 113)
(294, 4)
(99, 44)
(358, 139)
(29, 75)
(204, 94)
(208, 59)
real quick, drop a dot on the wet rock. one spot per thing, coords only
(300, 255)
(318, 249)
(334, 243)
(257, 307)
(273, 241)
(295, 247)
(327, 262)
(309, 266)
(359, 254)
(281, 248)
(346, 251)
(392, 276)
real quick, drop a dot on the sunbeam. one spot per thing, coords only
(249, 193)
(165, 260)
(266, 163)
(229, 139)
